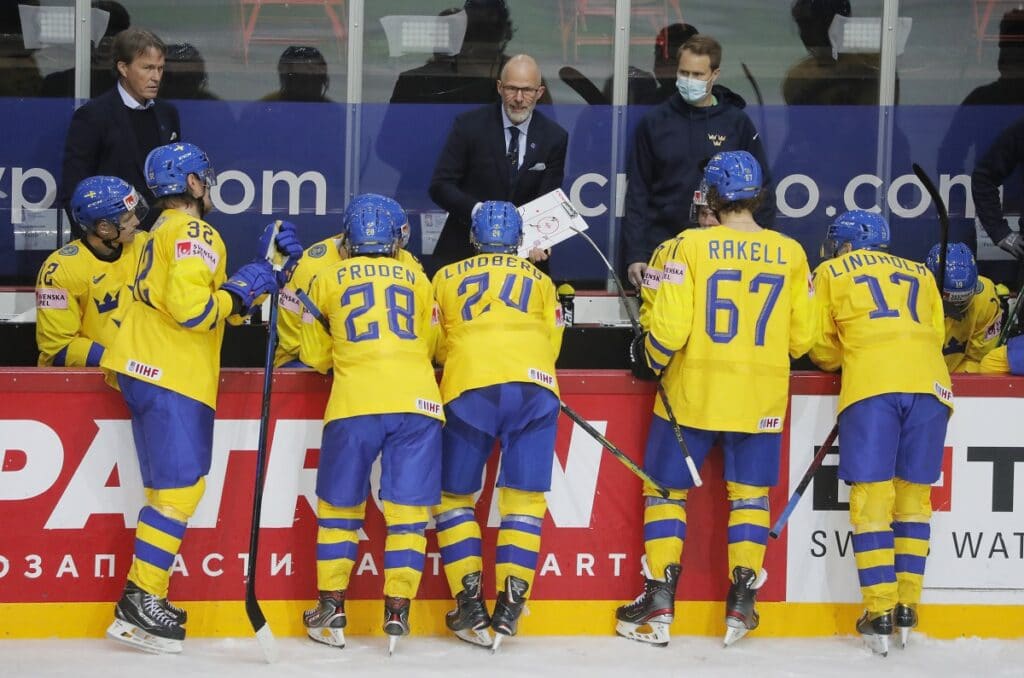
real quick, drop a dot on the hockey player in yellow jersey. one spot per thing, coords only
(701, 215)
(732, 307)
(317, 257)
(881, 323)
(1006, 359)
(380, 320)
(973, 313)
(502, 331)
(166, 357)
(83, 288)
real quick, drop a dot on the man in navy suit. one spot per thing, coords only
(507, 151)
(113, 133)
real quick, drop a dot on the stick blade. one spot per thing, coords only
(268, 644)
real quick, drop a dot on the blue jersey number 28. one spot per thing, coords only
(718, 305)
(399, 302)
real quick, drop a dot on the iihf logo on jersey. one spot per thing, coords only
(716, 139)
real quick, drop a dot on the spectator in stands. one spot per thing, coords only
(467, 77)
(303, 73)
(185, 74)
(19, 73)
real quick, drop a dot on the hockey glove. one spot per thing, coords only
(287, 245)
(249, 283)
(638, 359)
(1014, 244)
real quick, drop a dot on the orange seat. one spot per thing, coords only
(647, 17)
(250, 13)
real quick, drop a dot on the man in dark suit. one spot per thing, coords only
(113, 133)
(507, 151)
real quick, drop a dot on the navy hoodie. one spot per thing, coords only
(672, 142)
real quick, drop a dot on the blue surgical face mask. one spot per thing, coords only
(691, 89)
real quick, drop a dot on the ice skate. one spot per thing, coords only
(648, 618)
(905, 618)
(470, 620)
(507, 610)
(325, 623)
(141, 620)
(875, 629)
(396, 620)
(180, 615)
(740, 615)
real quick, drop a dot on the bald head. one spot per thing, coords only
(520, 87)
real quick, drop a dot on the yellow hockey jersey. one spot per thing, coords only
(881, 322)
(731, 309)
(382, 332)
(501, 322)
(292, 314)
(80, 301)
(171, 334)
(970, 337)
(996, 361)
(652, 279)
(1006, 359)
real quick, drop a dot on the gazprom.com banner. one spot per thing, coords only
(70, 493)
(288, 160)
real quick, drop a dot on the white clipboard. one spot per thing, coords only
(549, 220)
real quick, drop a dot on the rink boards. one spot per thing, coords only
(70, 493)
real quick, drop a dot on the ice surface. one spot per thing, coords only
(752, 657)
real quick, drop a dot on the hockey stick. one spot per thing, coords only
(816, 462)
(1013, 321)
(264, 636)
(582, 85)
(313, 310)
(940, 207)
(757, 93)
(637, 331)
(616, 452)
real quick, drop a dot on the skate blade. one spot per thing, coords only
(498, 637)
(328, 636)
(877, 643)
(130, 634)
(653, 633)
(734, 630)
(392, 644)
(904, 636)
(475, 637)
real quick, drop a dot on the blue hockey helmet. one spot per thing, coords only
(735, 175)
(167, 168)
(107, 199)
(392, 207)
(371, 230)
(961, 280)
(862, 230)
(496, 227)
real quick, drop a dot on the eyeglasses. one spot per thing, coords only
(527, 92)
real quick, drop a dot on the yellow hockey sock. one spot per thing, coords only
(337, 543)
(458, 538)
(664, 529)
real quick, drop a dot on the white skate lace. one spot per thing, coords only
(151, 605)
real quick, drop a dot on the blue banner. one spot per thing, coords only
(288, 160)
